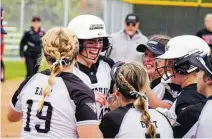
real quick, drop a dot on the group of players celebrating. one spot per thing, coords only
(85, 94)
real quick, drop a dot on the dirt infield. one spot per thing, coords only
(9, 129)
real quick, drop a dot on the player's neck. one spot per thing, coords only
(84, 62)
(124, 103)
(188, 81)
(209, 29)
(154, 77)
(67, 69)
(208, 91)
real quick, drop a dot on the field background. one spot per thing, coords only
(15, 73)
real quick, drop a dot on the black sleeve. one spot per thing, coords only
(108, 126)
(180, 107)
(111, 121)
(85, 107)
(168, 97)
(23, 43)
(17, 92)
(84, 101)
(187, 119)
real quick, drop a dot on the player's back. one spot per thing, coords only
(125, 122)
(133, 127)
(58, 117)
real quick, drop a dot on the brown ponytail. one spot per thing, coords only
(133, 77)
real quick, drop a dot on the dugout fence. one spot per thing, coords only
(171, 17)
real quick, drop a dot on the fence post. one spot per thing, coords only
(66, 9)
(22, 16)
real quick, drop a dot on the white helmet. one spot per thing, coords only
(181, 48)
(184, 45)
(88, 27)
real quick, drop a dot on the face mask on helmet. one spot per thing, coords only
(93, 47)
(172, 67)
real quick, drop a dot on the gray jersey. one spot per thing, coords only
(125, 122)
(70, 104)
(203, 127)
(97, 78)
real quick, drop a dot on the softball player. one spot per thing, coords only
(180, 71)
(165, 91)
(65, 107)
(133, 119)
(93, 68)
(203, 128)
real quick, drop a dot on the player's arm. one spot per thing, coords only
(13, 116)
(86, 117)
(85, 113)
(154, 101)
(15, 108)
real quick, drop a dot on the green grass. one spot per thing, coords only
(17, 69)
(14, 69)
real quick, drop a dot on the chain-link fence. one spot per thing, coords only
(171, 20)
(52, 12)
(18, 15)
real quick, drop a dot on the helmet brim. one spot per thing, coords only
(115, 69)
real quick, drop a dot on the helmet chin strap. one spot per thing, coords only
(87, 55)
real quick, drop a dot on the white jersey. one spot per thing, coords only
(203, 127)
(70, 104)
(97, 78)
(165, 91)
(125, 122)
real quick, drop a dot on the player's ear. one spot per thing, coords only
(117, 93)
(209, 81)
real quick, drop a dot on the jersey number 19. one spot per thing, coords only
(47, 118)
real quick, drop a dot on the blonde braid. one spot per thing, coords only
(57, 44)
(133, 74)
(145, 117)
(125, 82)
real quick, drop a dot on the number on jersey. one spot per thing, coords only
(47, 117)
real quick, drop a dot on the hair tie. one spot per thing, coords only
(64, 61)
(136, 94)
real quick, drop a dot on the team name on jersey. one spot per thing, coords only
(144, 125)
(38, 91)
(106, 93)
(102, 90)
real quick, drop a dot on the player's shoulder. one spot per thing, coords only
(157, 115)
(192, 112)
(117, 115)
(72, 82)
(76, 87)
(107, 60)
